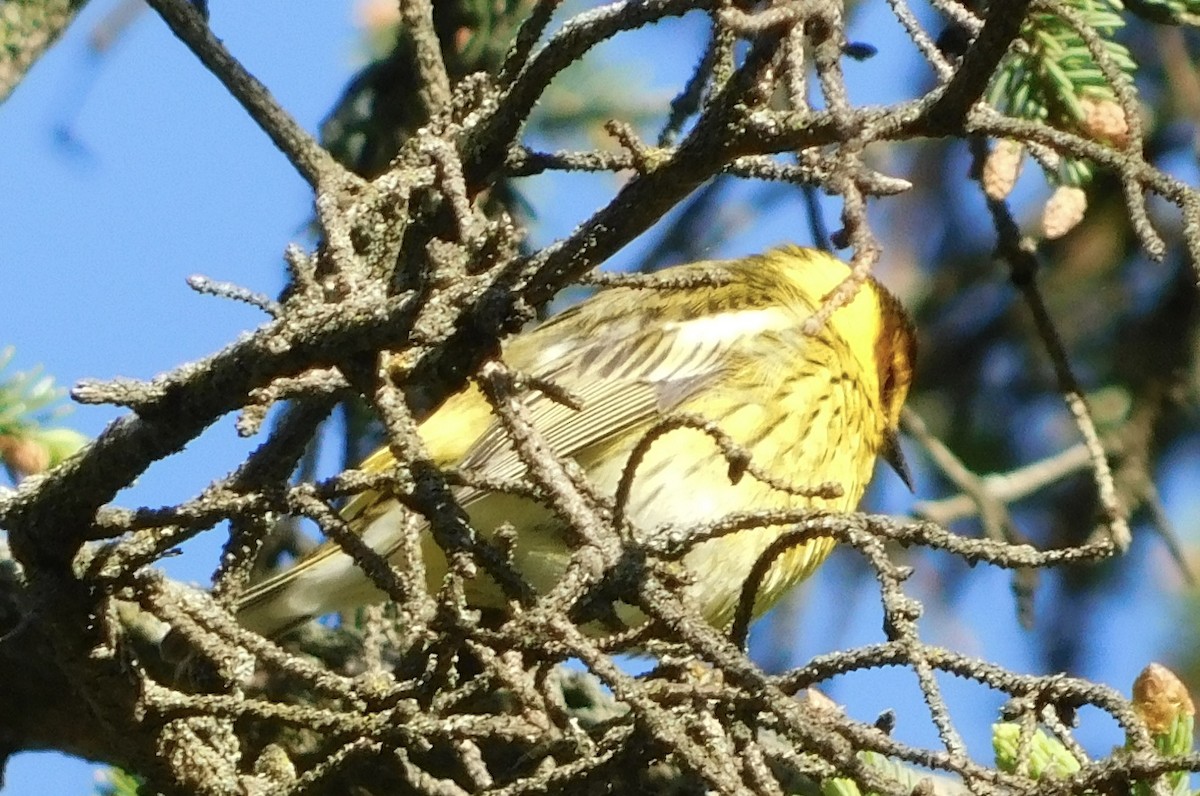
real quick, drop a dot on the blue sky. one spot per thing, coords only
(124, 175)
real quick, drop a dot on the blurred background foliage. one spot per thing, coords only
(32, 437)
(984, 384)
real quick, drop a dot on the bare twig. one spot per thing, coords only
(310, 159)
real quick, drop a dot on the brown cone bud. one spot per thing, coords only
(1104, 120)
(23, 456)
(1063, 211)
(1001, 169)
(1159, 697)
(377, 15)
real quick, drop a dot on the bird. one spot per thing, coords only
(733, 342)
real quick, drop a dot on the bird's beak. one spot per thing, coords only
(892, 454)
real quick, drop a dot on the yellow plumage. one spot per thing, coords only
(811, 403)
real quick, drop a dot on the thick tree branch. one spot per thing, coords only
(27, 30)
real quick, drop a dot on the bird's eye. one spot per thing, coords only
(889, 385)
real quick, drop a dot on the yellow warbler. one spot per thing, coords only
(737, 345)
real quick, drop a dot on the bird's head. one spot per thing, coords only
(873, 324)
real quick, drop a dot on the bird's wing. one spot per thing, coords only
(623, 376)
